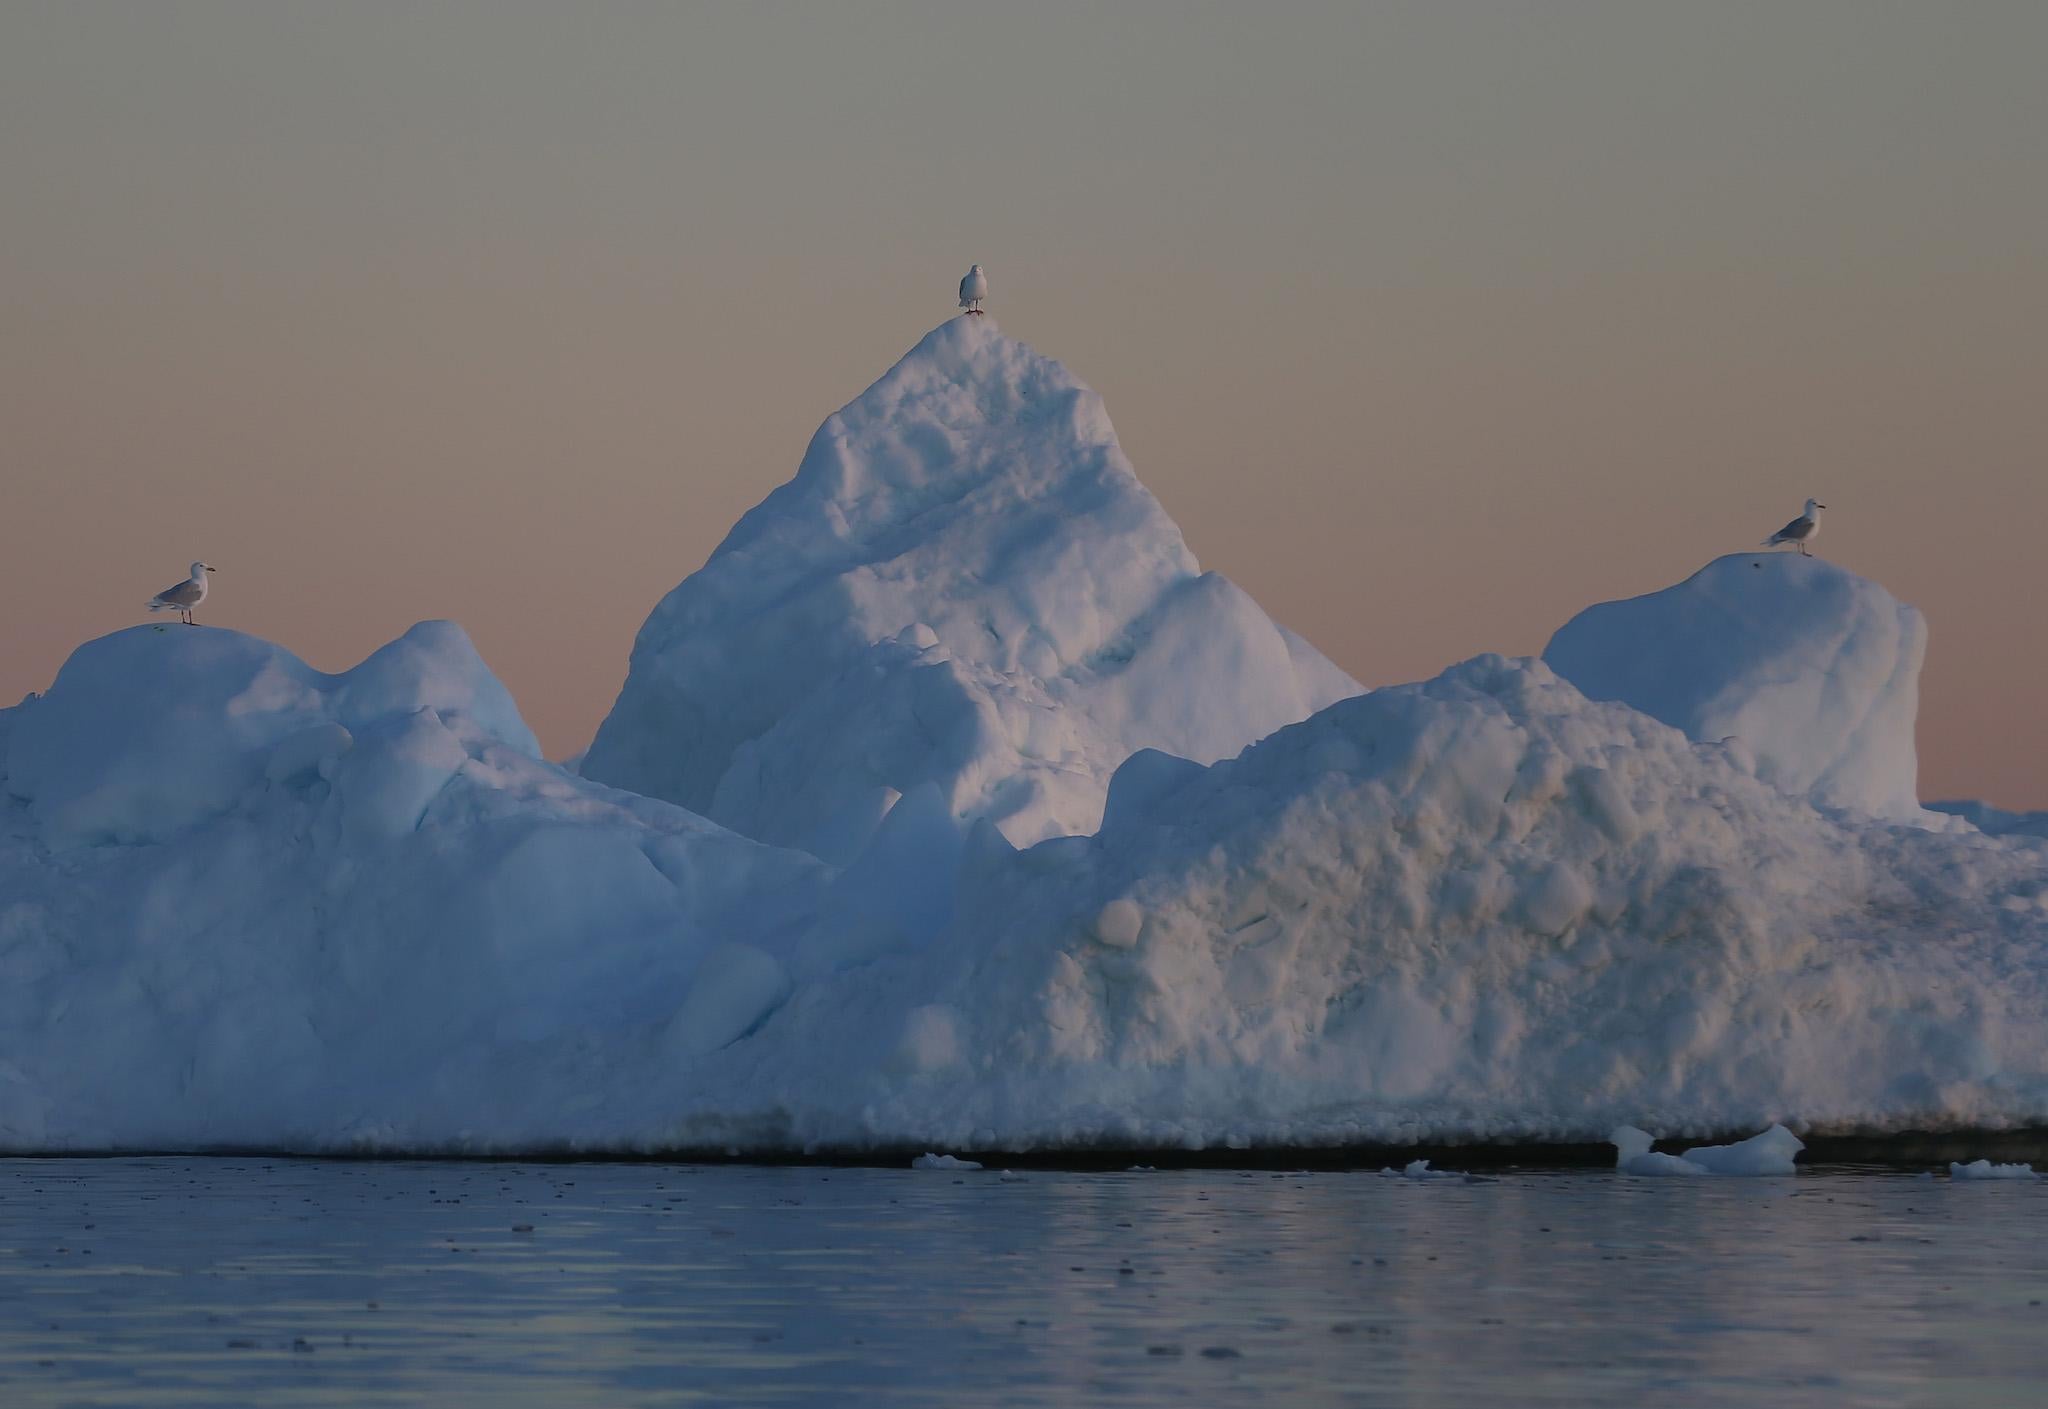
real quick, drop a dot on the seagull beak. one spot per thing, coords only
(209, 569)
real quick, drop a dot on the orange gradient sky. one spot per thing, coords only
(1429, 323)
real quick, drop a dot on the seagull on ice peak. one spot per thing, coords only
(1802, 530)
(973, 289)
(184, 597)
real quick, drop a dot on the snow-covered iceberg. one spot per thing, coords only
(244, 903)
(1814, 670)
(964, 586)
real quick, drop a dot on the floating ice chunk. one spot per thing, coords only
(1634, 1156)
(1768, 1153)
(932, 1161)
(1771, 1152)
(1985, 1169)
(1419, 1169)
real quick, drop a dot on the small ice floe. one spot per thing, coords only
(1142, 1169)
(1772, 1152)
(1419, 1169)
(1011, 1176)
(929, 1160)
(1985, 1169)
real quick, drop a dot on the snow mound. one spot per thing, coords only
(1985, 1169)
(150, 730)
(243, 903)
(1480, 908)
(964, 586)
(1814, 670)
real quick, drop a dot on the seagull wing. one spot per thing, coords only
(185, 594)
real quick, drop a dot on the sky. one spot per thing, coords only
(1430, 324)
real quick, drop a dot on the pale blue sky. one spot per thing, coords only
(1430, 323)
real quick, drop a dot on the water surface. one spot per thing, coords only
(239, 1281)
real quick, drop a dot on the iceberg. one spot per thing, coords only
(964, 586)
(950, 806)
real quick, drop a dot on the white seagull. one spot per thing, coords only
(183, 597)
(1802, 530)
(973, 289)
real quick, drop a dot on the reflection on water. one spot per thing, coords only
(196, 1281)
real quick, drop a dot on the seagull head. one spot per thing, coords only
(1813, 506)
(200, 570)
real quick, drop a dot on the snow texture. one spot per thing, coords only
(1814, 670)
(243, 903)
(965, 586)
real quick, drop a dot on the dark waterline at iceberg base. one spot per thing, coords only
(221, 1281)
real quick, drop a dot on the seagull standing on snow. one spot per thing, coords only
(183, 597)
(1802, 530)
(973, 289)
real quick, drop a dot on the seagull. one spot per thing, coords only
(183, 597)
(973, 289)
(1802, 530)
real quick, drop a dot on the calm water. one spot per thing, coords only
(193, 1281)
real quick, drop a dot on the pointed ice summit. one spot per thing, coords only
(964, 587)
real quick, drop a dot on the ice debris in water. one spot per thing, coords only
(1985, 1169)
(932, 1161)
(1771, 1152)
(1419, 1169)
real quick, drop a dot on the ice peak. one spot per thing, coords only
(976, 491)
